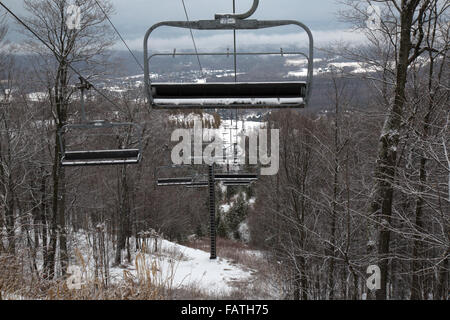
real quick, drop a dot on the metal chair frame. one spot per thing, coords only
(98, 157)
(229, 22)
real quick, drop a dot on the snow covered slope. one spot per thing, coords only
(180, 266)
(176, 266)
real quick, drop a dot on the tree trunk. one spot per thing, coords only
(43, 219)
(333, 223)
(443, 287)
(9, 214)
(58, 201)
(416, 265)
(124, 209)
(54, 218)
(387, 150)
(64, 258)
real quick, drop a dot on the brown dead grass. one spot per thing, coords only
(234, 251)
(17, 283)
(243, 255)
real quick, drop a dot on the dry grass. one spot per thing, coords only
(147, 283)
(261, 286)
(236, 252)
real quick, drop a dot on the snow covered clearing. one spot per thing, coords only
(176, 266)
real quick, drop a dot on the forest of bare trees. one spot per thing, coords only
(370, 185)
(365, 183)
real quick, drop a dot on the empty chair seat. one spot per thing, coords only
(229, 90)
(174, 182)
(228, 95)
(79, 144)
(102, 154)
(238, 183)
(101, 157)
(236, 177)
(201, 184)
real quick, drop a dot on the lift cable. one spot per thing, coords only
(192, 36)
(120, 36)
(235, 80)
(234, 43)
(58, 55)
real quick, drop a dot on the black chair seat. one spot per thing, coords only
(87, 163)
(174, 181)
(101, 157)
(236, 177)
(224, 90)
(101, 154)
(237, 183)
(204, 184)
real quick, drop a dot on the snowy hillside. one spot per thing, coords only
(186, 267)
(172, 266)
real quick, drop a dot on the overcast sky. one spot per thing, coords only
(134, 17)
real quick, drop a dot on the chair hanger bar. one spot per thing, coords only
(240, 16)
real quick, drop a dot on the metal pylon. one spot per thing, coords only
(212, 211)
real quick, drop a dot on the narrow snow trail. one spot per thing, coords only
(180, 266)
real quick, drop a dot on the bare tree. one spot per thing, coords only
(5, 177)
(403, 34)
(82, 47)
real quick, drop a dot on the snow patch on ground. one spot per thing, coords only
(187, 267)
(244, 232)
(300, 62)
(225, 208)
(37, 96)
(192, 117)
(177, 267)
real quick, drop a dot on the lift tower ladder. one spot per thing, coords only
(228, 179)
(212, 212)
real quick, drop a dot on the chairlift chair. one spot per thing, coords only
(229, 95)
(187, 179)
(200, 180)
(72, 158)
(174, 182)
(196, 185)
(238, 183)
(231, 177)
(98, 157)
